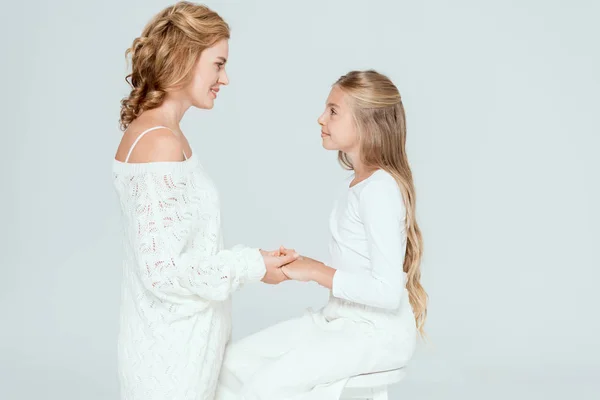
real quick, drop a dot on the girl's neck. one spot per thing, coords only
(361, 171)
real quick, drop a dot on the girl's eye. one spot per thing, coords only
(332, 111)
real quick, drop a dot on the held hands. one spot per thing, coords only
(274, 260)
(284, 264)
(302, 269)
(306, 269)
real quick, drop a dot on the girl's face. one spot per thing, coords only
(209, 75)
(338, 129)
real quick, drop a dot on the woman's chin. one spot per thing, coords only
(205, 104)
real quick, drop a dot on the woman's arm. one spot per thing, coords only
(159, 233)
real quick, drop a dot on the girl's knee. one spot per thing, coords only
(235, 354)
(273, 383)
(239, 364)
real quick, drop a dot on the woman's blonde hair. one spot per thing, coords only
(379, 116)
(163, 57)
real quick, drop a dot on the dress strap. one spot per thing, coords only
(142, 134)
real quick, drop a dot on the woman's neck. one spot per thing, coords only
(171, 111)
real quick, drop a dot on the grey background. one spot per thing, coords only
(502, 100)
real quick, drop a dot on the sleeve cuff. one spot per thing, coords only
(338, 284)
(255, 265)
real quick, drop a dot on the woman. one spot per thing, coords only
(177, 279)
(377, 303)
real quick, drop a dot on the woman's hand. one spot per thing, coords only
(274, 260)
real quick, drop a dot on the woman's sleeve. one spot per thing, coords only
(158, 228)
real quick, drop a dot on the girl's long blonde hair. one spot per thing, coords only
(163, 57)
(380, 119)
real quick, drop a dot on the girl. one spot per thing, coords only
(377, 304)
(177, 278)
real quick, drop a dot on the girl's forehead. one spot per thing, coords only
(336, 96)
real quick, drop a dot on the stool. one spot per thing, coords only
(373, 386)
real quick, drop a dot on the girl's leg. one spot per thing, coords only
(319, 365)
(247, 356)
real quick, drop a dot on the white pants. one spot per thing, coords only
(309, 358)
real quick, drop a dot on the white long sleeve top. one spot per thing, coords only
(177, 281)
(367, 249)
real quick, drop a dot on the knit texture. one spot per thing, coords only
(177, 281)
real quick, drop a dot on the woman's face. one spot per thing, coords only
(209, 75)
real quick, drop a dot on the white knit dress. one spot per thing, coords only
(177, 281)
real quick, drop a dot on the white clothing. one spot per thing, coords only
(367, 247)
(308, 358)
(177, 281)
(368, 324)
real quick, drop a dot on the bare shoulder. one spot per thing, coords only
(155, 146)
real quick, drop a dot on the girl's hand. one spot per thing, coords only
(303, 269)
(274, 260)
(306, 269)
